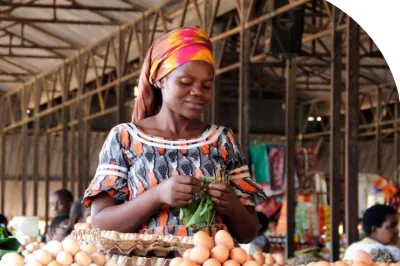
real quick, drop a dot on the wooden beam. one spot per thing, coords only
(335, 135)
(290, 133)
(58, 21)
(18, 65)
(47, 158)
(64, 121)
(120, 59)
(72, 6)
(351, 135)
(25, 153)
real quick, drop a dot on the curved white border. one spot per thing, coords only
(380, 19)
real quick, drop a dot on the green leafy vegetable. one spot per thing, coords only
(7, 245)
(200, 212)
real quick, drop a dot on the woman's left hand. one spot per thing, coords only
(223, 196)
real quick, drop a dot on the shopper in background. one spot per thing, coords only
(59, 227)
(380, 227)
(60, 202)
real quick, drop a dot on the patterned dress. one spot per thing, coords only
(132, 162)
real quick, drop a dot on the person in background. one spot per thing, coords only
(78, 213)
(60, 202)
(380, 228)
(4, 223)
(59, 227)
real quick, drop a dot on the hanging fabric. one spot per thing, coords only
(276, 156)
(259, 162)
(305, 169)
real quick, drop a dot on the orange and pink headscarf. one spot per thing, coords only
(166, 54)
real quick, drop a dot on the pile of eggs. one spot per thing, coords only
(359, 258)
(84, 226)
(54, 253)
(221, 253)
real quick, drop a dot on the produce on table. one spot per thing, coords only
(223, 253)
(84, 226)
(54, 253)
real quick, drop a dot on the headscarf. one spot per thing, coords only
(166, 54)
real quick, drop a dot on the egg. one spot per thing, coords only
(89, 248)
(339, 263)
(64, 258)
(12, 259)
(54, 247)
(29, 257)
(250, 258)
(71, 246)
(187, 262)
(25, 253)
(269, 260)
(111, 263)
(43, 256)
(361, 255)
(212, 262)
(222, 237)
(30, 247)
(322, 263)
(359, 263)
(54, 263)
(252, 263)
(239, 255)
(34, 263)
(89, 220)
(220, 253)
(83, 258)
(201, 238)
(349, 262)
(75, 264)
(312, 264)
(93, 264)
(231, 263)
(99, 259)
(186, 254)
(279, 259)
(199, 254)
(175, 261)
(259, 258)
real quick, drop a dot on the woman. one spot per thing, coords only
(380, 227)
(59, 227)
(150, 169)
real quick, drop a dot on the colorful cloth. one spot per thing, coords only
(276, 156)
(166, 54)
(132, 162)
(259, 162)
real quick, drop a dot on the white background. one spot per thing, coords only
(381, 20)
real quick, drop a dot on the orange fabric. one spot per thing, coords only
(166, 54)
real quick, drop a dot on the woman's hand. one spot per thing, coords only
(178, 191)
(223, 196)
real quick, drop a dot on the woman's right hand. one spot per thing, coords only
(178, 191)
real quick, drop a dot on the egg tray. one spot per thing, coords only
(122, 260)
(133, 244)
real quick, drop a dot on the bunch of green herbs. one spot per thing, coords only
(7, 245)
(200, 211)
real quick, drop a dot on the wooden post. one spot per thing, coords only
(72, 159)
(378, 137)
(352, 123)
(25, 149)
(335, 134)
(81, 133)
(47, 175)
(396, 139)
(2, 154)
(36, 147)
(120, 73)
(244, 90)
(64, 121)
(290, 133)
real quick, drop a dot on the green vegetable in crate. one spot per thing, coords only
(200, 212)
(7, 245)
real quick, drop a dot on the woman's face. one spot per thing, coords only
(188, 89)
(388, 233)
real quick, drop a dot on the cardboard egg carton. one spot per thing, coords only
(122, 260)
(133, 244)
